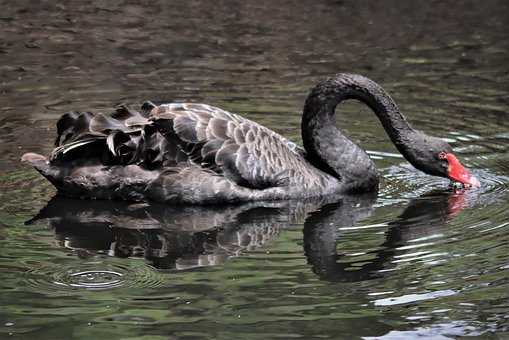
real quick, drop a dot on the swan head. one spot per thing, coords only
(435, 156)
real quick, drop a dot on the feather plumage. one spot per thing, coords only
(190, 145)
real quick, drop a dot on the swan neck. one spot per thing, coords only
(327, 147)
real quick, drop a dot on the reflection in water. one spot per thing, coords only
(423, 216)
(174, 237)
(168, 237)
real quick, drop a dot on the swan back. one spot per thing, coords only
(185, 135)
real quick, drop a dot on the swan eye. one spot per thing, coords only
(442, 155)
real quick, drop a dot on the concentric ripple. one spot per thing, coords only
(92, 276)
(404, 182)
(93, 279)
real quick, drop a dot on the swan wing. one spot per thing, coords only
(181, 135)
(239, 149)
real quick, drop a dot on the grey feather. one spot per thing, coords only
(200, 154)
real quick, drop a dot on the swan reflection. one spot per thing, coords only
(422, 217)
(184, 237)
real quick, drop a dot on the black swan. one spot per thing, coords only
(199, 154)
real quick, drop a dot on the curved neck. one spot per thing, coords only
(331, 151)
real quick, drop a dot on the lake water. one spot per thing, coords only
(417, 260)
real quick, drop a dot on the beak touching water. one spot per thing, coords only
(457, 172)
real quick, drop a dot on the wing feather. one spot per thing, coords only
(239, 149)
(181, 135)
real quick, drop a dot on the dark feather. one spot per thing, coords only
(178, 135)
(185, 128)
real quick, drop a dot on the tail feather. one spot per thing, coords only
(43, 166)
(37, 161)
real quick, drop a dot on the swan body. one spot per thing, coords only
(200, 154)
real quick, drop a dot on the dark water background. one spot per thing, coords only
(418, 260)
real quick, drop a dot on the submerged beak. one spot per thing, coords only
(458, 173)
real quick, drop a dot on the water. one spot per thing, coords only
(418, 260)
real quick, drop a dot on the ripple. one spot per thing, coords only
(92, 276)
(93, 279)
(411, 298)
(435, 331)
(404, 182)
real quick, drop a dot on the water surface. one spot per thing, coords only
(418, 259)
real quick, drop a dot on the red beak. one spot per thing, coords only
(458, 173)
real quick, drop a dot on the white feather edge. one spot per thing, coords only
(76, 144)
(111, 144)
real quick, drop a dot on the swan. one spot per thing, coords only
(199, 154)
